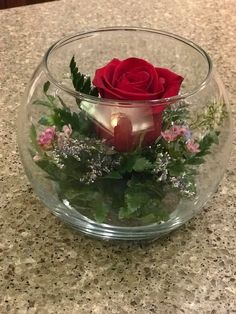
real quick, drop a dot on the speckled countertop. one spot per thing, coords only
(47, 268)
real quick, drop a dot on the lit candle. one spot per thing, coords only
(123, 127)
(123, 137)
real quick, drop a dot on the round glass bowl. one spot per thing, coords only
(66, 137)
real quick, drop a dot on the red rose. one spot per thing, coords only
(135, 79)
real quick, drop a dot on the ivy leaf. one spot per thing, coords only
(156, 216)
(78, 121)
(137, 195)
(33, 134)
(127, 163)
(207, 141)
(114, 175)
(33, 137)
(44, 103)
(46, 120)
(87, 197)
(149, 218)
(141, 164)
(176, 167)
(77, 193)
(194, 160)
(51, 99)
(46, 87)
(124, 213)
(141, 199)
(133, 201)
(100, 204)
(101, 212)
(54, 172)
(63, 103)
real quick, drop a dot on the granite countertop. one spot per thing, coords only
(48, 268)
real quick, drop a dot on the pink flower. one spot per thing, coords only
(36, 158)
(63, 137)
(67, 130)
(174, 132)
(47, 137)
(179, 130)
(61, 140)
(192, 146)
(169, 136)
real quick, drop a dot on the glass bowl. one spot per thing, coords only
(179, 146)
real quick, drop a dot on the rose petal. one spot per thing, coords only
(133, 87)
(134, 79)
(172, 82)
(126, 66)
(103, 76)
(135, 95)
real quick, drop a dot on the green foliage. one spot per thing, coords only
(207, 141)
(134, 162)
(81, 82)
(85, 196)
(179, 169)
(127, 163)
(63, 103)
(44, 103)
(176, 167)
(59, 117)
(212, 117)
(134, 200)
(114, 175)
(52, 169)
(78, 121)
(129, 186)
(46, 87)
(204, 145)
(34, 141)
(141, 164)
(176, 113)
(142, 198)
(46, 120)
(99, 206)
(33, 136)
(101, 211)
(138, 194)
(49, 101)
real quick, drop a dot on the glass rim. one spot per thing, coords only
(93, 99)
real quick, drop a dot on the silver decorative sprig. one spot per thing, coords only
(183, 183)
(96, 159)
(160, 166)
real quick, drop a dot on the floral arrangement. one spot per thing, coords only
(142, 159)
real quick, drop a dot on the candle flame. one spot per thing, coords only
(115, 117)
